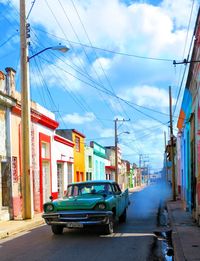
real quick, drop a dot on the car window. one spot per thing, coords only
(117, 189)
(86, 189)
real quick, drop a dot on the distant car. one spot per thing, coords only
(90, 203)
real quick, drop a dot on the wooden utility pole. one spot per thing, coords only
(116, 151)
(166, 170)
(116, 147)
(172, 147)
(25, 125)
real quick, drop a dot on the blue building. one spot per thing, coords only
(99, 161)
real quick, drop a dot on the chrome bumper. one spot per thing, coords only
(77, 218)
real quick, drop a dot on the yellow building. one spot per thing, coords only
(79, 152)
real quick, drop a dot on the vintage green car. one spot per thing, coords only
(90, 203)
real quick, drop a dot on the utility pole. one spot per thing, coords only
(172, 146)
(25, 125)
(140, 168)
(166, 171)
(116, 152)
(116, 148)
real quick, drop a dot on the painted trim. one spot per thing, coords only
(61, 161)
(78, 133)
(110, 167)
(94, 142)
(99, 154)
(54, 195)
(63, 141)
(37, 117)
(44, 138)
(70, 162)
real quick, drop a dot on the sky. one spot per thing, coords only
(119, 66)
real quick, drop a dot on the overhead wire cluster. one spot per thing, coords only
(81, 73)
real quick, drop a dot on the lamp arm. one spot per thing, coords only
(30, 57)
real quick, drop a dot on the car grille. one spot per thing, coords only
(81, 217)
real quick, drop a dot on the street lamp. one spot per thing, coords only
(27, 192)
(123, 132)
(61, 48)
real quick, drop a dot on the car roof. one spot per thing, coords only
(94, 181)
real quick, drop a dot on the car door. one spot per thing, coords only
(119, 198)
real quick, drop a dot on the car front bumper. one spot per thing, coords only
(78, 219)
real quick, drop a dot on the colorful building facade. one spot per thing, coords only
(62, 165)
(110, 167)
(79, 151)
(89, 162)
(99, 161)
(6, 103)
(189, 133)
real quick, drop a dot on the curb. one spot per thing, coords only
(16, 227)
(176, 242)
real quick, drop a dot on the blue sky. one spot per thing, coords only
(119, 66)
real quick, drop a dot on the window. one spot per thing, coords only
(77, 143)
(45, 150)
(90, 161)
(69, 171)
(117, 189)
(88, 176)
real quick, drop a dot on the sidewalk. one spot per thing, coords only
(12, 227)
(186, 233)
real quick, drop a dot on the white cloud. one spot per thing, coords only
(76, 118)
(179, 10)
(100, 63)
(149, 96)
(106, 133)
(141, 29)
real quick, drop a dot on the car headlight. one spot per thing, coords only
(49, 208)
(100, 206)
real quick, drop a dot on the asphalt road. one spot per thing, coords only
(133, 240)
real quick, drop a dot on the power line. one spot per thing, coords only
(9, 38)
(106, 77)
(111, 51)
(190, 47)
(30, 9)
(104, 90)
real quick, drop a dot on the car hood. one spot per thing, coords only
(79, 202)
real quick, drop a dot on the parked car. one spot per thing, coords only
(90, 203)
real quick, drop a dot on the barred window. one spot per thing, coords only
(77, 143)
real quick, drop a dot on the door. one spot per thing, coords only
(69, 173)
(46, 181)
(60, 178)
(77, 176)
(5, 183)
(119, 198)
(81, 176)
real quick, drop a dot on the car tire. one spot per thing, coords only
(109, 228)
(57, 230)
(122, 218)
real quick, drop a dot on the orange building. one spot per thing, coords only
(79, 151)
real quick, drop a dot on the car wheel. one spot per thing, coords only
(57, 230)
(109, 228)
(122, 218)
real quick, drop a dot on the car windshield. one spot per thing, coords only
(86, 189)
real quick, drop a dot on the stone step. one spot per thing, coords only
(4, 214)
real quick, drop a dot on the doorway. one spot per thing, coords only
(5, 183)
(60, 178)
